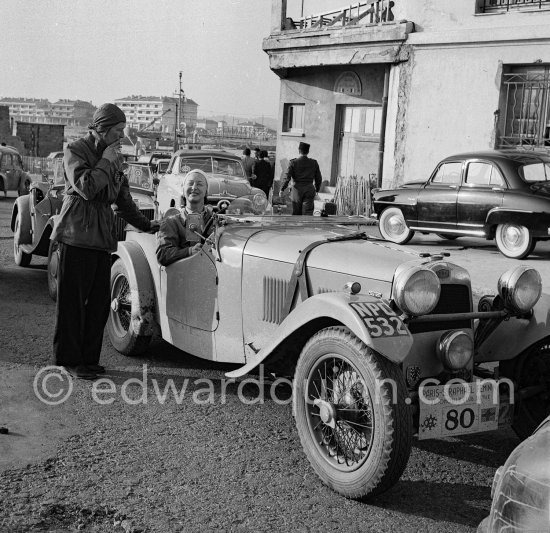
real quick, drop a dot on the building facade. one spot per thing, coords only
(158, 113)
(39, 110)
(384, 89)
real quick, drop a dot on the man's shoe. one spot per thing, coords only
(81, 372)
(98, 369)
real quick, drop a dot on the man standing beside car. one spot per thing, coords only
(307, 179)
(85, 230)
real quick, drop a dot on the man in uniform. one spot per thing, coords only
(306, 178)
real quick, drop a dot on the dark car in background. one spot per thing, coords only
(502, 195)
(13, 176)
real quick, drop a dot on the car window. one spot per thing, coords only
(483, 174)
(17, 161)
(229, 167)
(535, 172)
(5, 162)
(192, 163)
(448, 173)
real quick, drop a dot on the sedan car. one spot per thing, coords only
(13, 176)
(380, 345)
(521, 488)
(225, 172)
(502, 195)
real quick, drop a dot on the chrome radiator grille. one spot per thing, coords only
(120, 223)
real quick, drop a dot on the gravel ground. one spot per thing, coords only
(190, 465)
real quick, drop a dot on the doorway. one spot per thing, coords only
(357, 141)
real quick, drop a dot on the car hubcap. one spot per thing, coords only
(395, 225)
(340, 413)
(513, 237)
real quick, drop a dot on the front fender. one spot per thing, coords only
(142, 290)
(513, 336)
(358, 313)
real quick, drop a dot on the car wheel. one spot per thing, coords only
(514, 240)
(532, 369)
(393, 227)
(21, 226)
(447, 236)
(53, 264)
(354, 427)
(124, 305)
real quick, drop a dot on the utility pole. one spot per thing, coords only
(180, 104)
(176, 144)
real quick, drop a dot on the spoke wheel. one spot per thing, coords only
(393, 227)
(356, 437)
(53, 265)
(514, 240)
(531, 369)
(124, 304)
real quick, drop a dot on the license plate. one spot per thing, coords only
(458, 409)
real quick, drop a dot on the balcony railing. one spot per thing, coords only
(492, 6)
(376, 12)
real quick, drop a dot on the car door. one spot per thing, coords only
(482, 190)
(8, 169)
(436, 205)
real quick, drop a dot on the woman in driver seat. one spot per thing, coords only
(179, 236)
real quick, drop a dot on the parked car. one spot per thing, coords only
(13, 176)
(154, 158)
(502, 195)
(521, 488)
(33, 217)
(380, 345)
(226, 178)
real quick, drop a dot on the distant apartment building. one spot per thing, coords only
(42, 111)
(157, 113)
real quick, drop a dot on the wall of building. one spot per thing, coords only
(449, 104)
(314, 87)
(40, 139)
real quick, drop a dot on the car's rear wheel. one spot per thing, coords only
(530, 370)
(53, 265)
(21, 226)
(124, 305)
(447, 236)
(393, 227)
(514, 240)
(354, 424)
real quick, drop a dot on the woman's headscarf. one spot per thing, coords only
(187, 176)
(107, 116)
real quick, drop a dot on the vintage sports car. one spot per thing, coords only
(381, 343)
(502, 195)
(13, 176)
(33, 216)
(226, 178)
(521, 488)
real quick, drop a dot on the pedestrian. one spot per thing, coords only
(306, 178)
(247, 163)
(263, 171)
(85, 230)
(257, 152)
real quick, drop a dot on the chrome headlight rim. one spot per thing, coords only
(259, 201)
(449, 341)
(511, 283)
(403, 282)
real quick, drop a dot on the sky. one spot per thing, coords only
(101, 50)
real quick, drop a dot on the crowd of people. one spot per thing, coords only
(85, 229)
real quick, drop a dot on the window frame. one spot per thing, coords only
(288, 115)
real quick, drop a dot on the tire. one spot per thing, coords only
(53, 263)
(447, 236)
(355, 464)
(393, 227)
(514, 240)
(21, 226)
(123, 308)
(532, 368)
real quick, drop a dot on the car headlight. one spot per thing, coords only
(416, 291)
(455, 349)
(259, 201)
(520, 288)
